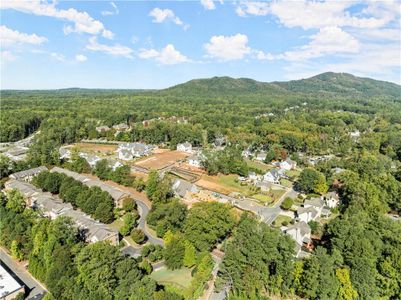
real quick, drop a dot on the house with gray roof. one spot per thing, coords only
(273, 176)
(117, 194)
(184, 147)
(51, 206)
(301, 233)
(307, 214)
(128, 151)
(183, 188)
(102, 129)
(27, 175)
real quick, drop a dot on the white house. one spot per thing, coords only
(65, 153)
(184, 147)
(114, 164)
(307, 214)
(288, 164)
(253, 176)
(195, 160)
(331, 199)
(273, 176)
(300, 232)
(128, 151)
(316, 203)
(261, 156)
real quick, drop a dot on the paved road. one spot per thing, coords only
(143, 210)
(36, 290)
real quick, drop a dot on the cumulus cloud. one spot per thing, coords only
(329, 40)
(58, 56)
(228, 47)
(164, 15)
(9, 37)
(115, 10)
(252, 8)
(82, 21)
(166, 56)
(80, 58)
(318, 14)
(115, 50)
(208, 4)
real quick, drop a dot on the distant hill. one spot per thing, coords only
(341, 84)
(224, 85)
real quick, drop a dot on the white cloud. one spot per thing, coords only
(228, 47)
(163, 15)
(260, 55)
(329, 40)
(9, 37)
(111, 13)
(83, 22)
(80, 58)
(208, 4)
(317, 14)
(58, 56)
(115, 50)
(252, 8)
(166, 56)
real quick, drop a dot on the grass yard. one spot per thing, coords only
(293, 173)
(262, 198)
(286, 183)
(180, 278)
(117, 224)
(278, 222)
(105, 148)
(258, 165)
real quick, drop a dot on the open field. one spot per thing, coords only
(95, 147)
(286, 182)
(223, 184)
(180, 278)
(262, 198)
(161, 160)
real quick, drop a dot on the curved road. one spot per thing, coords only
(143, 210)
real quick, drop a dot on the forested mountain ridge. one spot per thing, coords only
(329, 83)
(342, 84)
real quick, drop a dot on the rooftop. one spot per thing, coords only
(8, 284)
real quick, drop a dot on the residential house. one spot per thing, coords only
(115, 193)
(261, 156)
(252, 176)
(184, 147)
(247, 152)
(331, 199)
(102, 129)
(307, 214)
(65, 153)
(316, 203)
(288, 164)
(264, 186)
(9, 287)
(91, 159)
(51, 206)
(127, 151)
(184, 189)
(195, 160)
(301, 233)
(28, 175)
(121, 127)
(26, 189)
(17, 153)
(273, 176)
(114, 164)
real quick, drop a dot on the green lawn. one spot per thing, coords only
(286, 182)
(180, 278)
(293, 173)
(278, 222)
(117, 224)
(262, 198)
(230, 181)
(258, 165)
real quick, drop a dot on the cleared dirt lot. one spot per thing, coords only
(162, 160)
(95, 147)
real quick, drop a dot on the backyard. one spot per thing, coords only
(180, 278)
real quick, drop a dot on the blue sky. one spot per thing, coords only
(156, 44)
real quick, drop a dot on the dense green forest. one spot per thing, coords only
(359, 253)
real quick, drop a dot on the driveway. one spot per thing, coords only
(36, 290)
(143, 210)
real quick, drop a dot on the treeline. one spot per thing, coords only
(68, 267)
(227, 161)
(91, 200)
